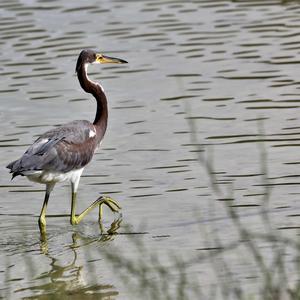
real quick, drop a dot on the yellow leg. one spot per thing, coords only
(113, 205)
(42, 218)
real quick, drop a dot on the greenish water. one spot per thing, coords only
(201, 149)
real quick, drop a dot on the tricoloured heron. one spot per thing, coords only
(62, 153)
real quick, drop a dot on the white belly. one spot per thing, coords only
(54, 177)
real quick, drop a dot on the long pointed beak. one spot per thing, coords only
(103, 59)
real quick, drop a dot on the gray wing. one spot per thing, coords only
(62, 149)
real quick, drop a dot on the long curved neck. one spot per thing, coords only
(96, 90)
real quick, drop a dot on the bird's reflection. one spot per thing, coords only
(69, 279)
(105, 235)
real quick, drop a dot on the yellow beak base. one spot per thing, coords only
(103, 59)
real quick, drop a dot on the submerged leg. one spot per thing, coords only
(42, 218)
(107, 235)
(75, 219)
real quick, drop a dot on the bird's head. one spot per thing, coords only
(91, 57)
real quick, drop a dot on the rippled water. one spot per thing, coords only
(229, 67)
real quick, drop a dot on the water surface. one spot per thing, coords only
(211, 80)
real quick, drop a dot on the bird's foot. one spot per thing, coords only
(108, 201)
(112, 204)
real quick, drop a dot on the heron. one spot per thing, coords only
(61, 154)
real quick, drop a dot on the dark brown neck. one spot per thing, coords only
(96, 90)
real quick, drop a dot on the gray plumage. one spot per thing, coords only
(62, 149)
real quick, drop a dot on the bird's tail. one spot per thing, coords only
(13, 166)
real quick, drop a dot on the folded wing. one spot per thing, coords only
(65, 148)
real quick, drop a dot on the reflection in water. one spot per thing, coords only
(67, 279)
(105, 235)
